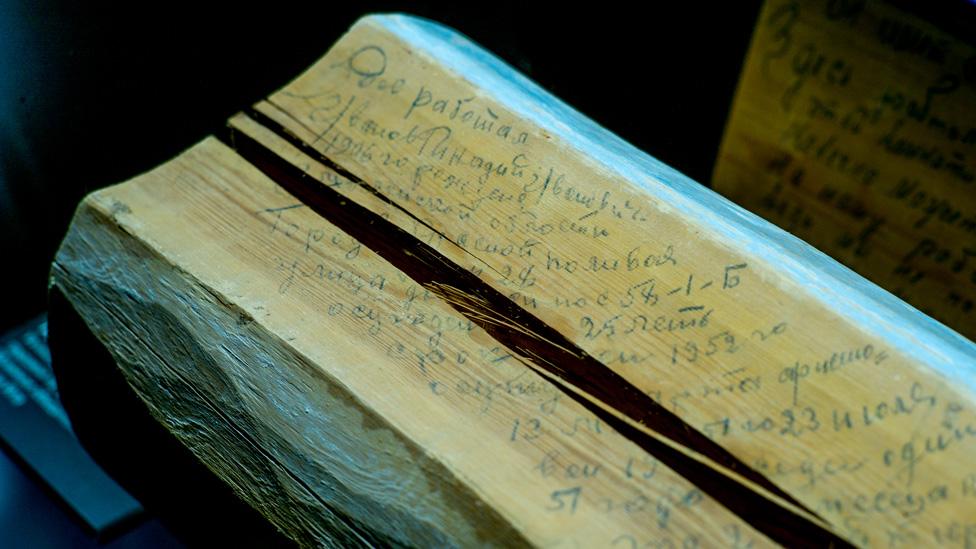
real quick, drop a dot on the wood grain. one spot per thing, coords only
(354, 397)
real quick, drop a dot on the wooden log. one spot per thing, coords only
(854, 128)
(413, 299)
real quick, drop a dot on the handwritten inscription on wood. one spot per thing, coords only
(420, 379)
(413, 407)
(854, 127)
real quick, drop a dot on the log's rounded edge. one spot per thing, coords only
(874, 309)
(115, 427)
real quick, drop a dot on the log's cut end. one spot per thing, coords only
(412, 299)
(234, 392)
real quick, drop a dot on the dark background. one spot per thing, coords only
(93, 94)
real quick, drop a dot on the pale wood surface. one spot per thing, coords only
(854, 127)
(422, 453)
(365, 395)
